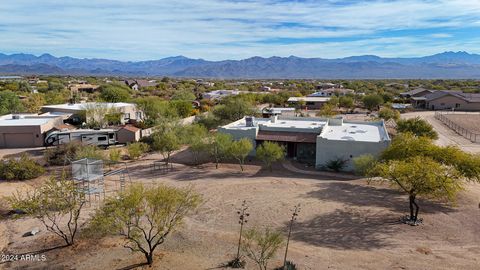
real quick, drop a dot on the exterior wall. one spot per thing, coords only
(328, 150)
(449, 102)
(127, 136)
(27, 136)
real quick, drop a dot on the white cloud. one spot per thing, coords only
(219, 29)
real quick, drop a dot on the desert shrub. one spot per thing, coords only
(135, 150)
(418, 126)
(22, 168)
(387, 114)
(336, 165)
(362, 164)
(114, 154)
(89, 151)
(61, 154)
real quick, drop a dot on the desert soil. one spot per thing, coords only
(446, 136)
(469, 121)
(343, 224)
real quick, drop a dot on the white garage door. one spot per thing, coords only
(17, 140)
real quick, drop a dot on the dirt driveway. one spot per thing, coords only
(446, 136)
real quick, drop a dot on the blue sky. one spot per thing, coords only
(227, 29)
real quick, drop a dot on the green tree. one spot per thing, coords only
(233, 109)
(144, 216)
(219, 146)
(166, 142)
(184, 95)
(34, 103)
(270, 152)
(420, 176)
(57, 204)
(114, 93)
(9, 103)
(136, 150)
(23, 168)
(261, 246)
(386, 114)
(346, 102)
(239, 150)
(362, 164)
(196, 136)
(415, 163)
(327, 110)
(372, 102)
(417, 126)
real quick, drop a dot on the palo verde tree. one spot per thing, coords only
(220, 144)
(196, 137)
(239, 150)
(270, 152)
(417, 126)
(166, 141)
(420, 176)
(418, 167)
(261, 246)
(144, 216)
(57, 204)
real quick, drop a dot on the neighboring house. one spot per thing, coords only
(26, 130)
(309, 102)
(332, 92)
(322, 86)
(129, 134)
(452, 100)
(138, 84)
(78, 112)
(316, 141)
(83, 87)
(418, 92)
(272, 111)
(219, 94)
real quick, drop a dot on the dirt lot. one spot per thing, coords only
(342, 225)
(446, 136)
(470, 122)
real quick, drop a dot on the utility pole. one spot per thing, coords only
(295, 210)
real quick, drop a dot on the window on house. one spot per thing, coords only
(457, 105)
(126, 116)
(102, 138)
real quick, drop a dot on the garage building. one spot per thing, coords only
(25, 130)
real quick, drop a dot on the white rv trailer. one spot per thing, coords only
(98, 137)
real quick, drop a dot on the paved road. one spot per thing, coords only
(446, 136)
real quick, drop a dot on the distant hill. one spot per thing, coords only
(447, 65)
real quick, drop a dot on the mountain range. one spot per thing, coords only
(446, 65)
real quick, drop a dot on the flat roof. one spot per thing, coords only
(309, 99)
(24, 120)
(344, 131)
(83, 106)
(364, 132)
(281, 122)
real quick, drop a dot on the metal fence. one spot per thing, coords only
(472, 136)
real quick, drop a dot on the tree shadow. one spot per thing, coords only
(365, 195)
(347, 229)
(133, 266)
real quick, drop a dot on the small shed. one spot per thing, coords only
(128, 134)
